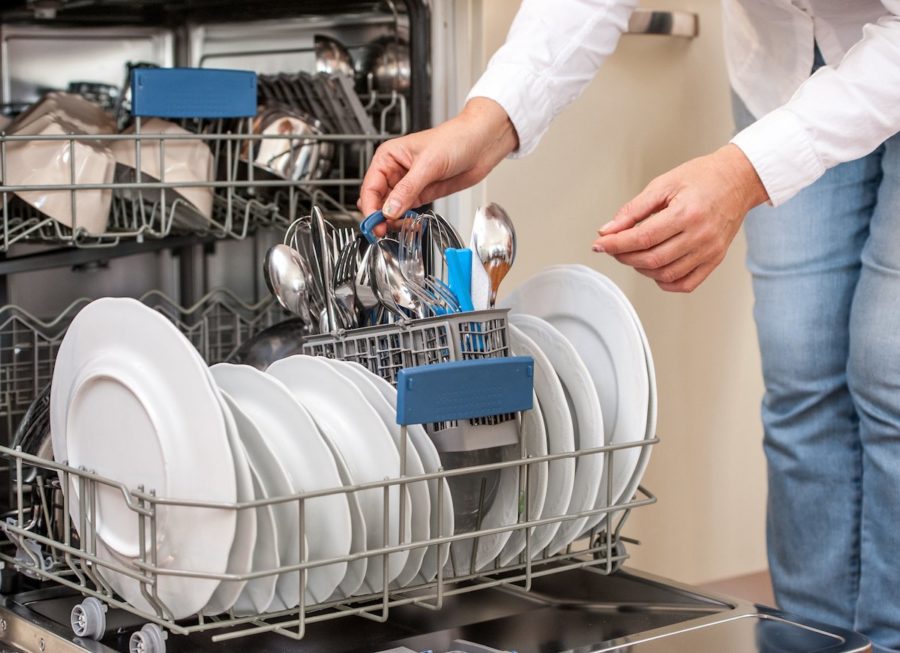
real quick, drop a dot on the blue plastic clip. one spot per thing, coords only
(193, 93)
(464, 389)
(374, 219)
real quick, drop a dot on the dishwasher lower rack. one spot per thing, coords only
(68, 556)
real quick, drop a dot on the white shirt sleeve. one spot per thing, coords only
(839, 114)
(552, 52)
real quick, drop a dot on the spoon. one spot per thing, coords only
(391, 287)
(288, 277)
(494, 242)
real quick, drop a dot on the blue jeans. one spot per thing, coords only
(826, 278)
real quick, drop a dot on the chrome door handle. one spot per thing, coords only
(685, 24)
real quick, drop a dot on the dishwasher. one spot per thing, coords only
(205, 278)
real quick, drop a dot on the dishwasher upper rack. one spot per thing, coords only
(64, 558)
(217, 324)
(245, 198)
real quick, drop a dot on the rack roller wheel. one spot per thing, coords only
(617, 554)
(621, 553)
(149, 639)
(88, 618)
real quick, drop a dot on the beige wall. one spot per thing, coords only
(657, 102)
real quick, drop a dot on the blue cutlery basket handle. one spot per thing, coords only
(465, 389)
(193, 93)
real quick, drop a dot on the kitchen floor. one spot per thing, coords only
(756, 587)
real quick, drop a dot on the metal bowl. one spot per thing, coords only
(332, 57)
(298, 155)
(386, 61)
(271, 344)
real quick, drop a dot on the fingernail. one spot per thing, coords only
(606, 226)
(390, 209)
(598, 248)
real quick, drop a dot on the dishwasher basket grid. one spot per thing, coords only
(216, 324)
(386, 349)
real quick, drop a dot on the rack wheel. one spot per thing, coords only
(619, 551)
(88, 618)
(149, 639)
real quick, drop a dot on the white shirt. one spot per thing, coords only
(806, 124)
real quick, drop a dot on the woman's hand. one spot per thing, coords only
(678, 229)
(421, 167)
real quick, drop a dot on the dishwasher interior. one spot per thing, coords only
(579, 611)
(207, 281)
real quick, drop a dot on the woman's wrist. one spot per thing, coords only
(488, 117)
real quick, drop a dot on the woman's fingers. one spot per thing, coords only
(645, 235)
(690, 281)
(650, 200)
(659, 257)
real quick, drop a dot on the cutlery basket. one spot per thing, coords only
(387, 349)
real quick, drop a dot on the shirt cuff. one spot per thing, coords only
(521, 94)
(782, 152)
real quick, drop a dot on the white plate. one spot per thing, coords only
(240, 561)
(272, 544)
(258, 593)
(560, 436)
(441, 499)
(418, 492)
(587, 420)
(133, 401)
(598, 320)
(356, 569)
(534, 435)
(653, 403)
(355, 429)
(292, 433)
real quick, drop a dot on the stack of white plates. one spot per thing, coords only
(133, 401)
(595, 385)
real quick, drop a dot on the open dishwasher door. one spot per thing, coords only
(577, 611)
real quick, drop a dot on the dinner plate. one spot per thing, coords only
(355, 577)
(560, 436)
(292, 434)
(534, 437)
(258, 593)
(242, 549)
(653, 403)
(132, 400)
(418, 492)
(438, 491)
(587, 420)
(240, 561)
(273, 545)
(355, 429)
(597, 319)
